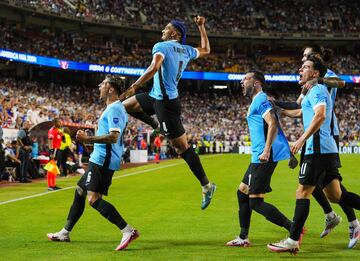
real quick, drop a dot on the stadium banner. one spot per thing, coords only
(129, 71)
(342, 150)
(9, 134)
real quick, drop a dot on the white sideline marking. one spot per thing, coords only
(117, 177)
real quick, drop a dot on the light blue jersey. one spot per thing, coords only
(176, 57)
(333, 92)
(258, 109)
(322, 141)
(114, 118)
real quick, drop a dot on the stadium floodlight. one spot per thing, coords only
(220, 87)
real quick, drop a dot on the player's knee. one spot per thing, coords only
(333, 197)
(181, 147)
(92, 198)
(242, 197)
(303, 192)
(80, 192)
(244, 188)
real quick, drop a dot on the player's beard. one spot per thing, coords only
(249, 91)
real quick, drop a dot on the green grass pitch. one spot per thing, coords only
(164, 205)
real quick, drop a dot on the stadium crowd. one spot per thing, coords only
(268, 16)
(219, 120)
(133, 53)
(217, 117)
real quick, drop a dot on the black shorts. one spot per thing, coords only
(258, 177)
(96, 179)
(330, 175)
(319, 169)
(168, 113)
(146, 102)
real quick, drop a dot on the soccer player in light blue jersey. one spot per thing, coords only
(104, 160)
(320, 162)
(170, 58)
(333, 83)
(269, 146)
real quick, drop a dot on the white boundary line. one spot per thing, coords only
(117, 177)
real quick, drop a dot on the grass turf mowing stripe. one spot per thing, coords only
(117, 177)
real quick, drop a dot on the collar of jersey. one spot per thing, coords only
(257, 95)
(112, 103)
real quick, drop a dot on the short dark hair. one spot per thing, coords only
(318, 65)
(325, 53)
(259, 76)
(116, 82)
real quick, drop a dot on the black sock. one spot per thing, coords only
(76, 210)
(301, 213)
(320, 197)
(244, 214)
(145, 118)
(349, 212)
(109, 212)
(270, 212)
(193, 160)
(350, 199)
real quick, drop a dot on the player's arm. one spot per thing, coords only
(331, 82)
(111, 138)
(317, 121)
(291, 113)
(204, 48)
(270, 136)
(149, 73)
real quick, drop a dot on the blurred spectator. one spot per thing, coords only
(224, 16)
(135, 53)
(11, 157)
(25, 145)
(217, 118)
(65, 150)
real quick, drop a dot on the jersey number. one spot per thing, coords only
(179, 71)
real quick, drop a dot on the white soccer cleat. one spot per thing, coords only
(354, 236)
(60, 237)
(239, 242)
(284, 246)
(127, 239)
(330, 224)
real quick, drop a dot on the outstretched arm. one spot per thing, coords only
(148, 74)
(292, 113)
(331, 82)
(111, 138)
(204, 48)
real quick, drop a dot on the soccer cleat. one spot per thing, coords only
(207, 196)
(239, 242)
(127, 239)
(284, 246)
(330, 224)
(354, 236)
(58, 237)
